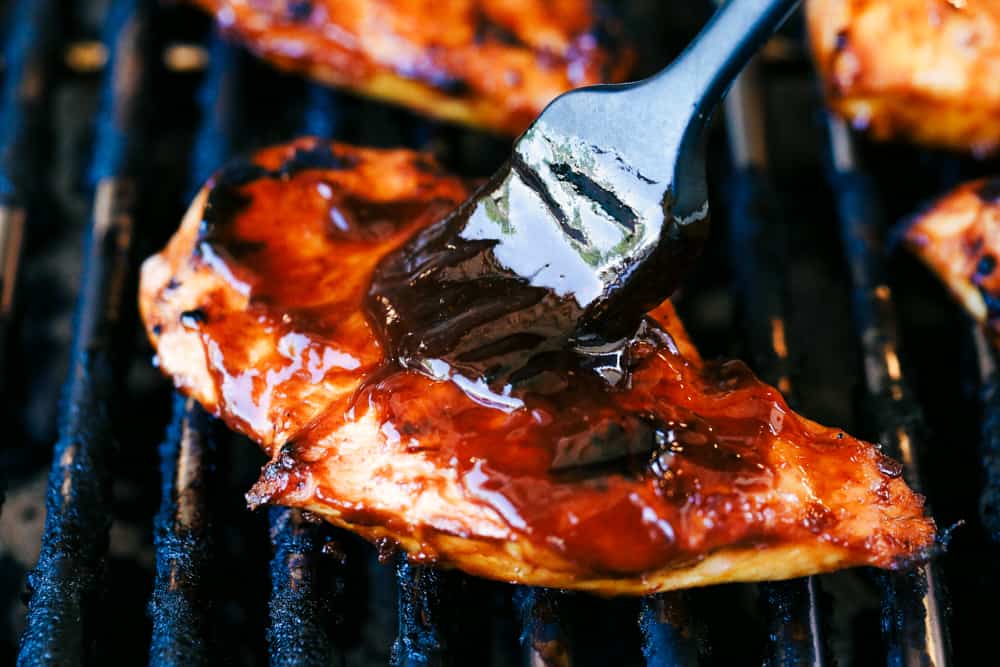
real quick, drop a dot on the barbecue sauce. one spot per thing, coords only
(562, 252)
(625, 457)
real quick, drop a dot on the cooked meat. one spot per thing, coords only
(958, 237)
(489, 63)
(689, 474)
(926, 70)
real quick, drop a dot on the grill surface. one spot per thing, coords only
(115, 111)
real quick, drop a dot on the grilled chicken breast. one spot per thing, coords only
(494, 64)
(926, 70)
(958, 237)
(689, 474)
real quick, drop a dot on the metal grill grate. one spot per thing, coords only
(69, 571)
(912, 616)
(328, 601)
(183, 541)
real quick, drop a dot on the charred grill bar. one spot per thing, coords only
(221, 121)
(543, 638)
(27, 61)
(68, 575)
(419, 642)
(181, 605)
(989, 501)
(668, 631)
(300, 607)
(913, 615)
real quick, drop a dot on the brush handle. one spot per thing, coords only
(704, 70)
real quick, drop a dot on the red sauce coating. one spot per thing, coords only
(676, 460)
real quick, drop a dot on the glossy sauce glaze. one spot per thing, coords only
(625, 459)
(557, 258)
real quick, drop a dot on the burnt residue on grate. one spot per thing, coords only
(420, 642)
(543, 636)
(670, 635)
(301, 614)
(181, 606)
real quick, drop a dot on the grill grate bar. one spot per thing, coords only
(419, 642)
(668, 635)
(794, 630)
(989, 445)
(180, 607)
(27, 57)
(543, 637)
(69, 567)
(758, 244)
(299, 610)
(913, 617)
(299, 606)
